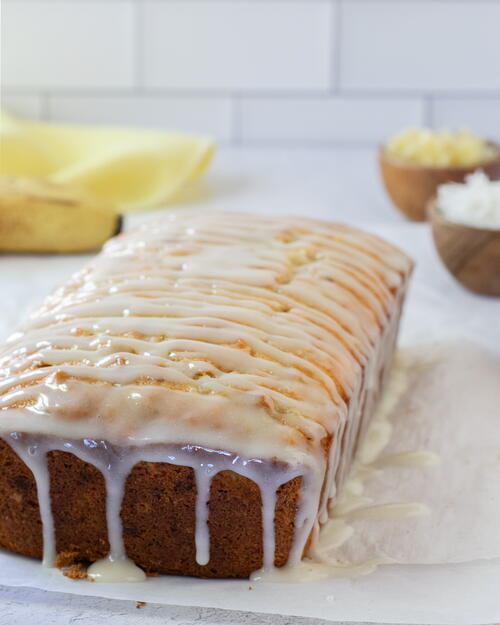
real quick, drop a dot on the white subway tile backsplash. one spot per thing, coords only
(342, 119)
(22, 105)
(211, 116)
(296, 71)
(50, 43)
(480, 115)
(418, 45)
(237, 45)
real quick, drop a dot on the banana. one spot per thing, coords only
(37, 215)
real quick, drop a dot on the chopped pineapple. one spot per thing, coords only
(440, 148)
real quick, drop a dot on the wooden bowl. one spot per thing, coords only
(411, 186)
(471, 255)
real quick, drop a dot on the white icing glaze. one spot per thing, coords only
(311, 570)
(388, 511)
(262, 340)
(258, 353)
(109, 570)
(416, 459)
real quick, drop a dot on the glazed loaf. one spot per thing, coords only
(192, 398)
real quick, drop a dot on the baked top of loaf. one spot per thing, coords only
(240, 332)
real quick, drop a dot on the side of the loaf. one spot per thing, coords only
(158, 515)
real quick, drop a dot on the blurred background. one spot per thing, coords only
(257, 72)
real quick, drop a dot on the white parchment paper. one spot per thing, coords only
(452, 408)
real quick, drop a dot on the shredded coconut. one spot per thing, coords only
(475, 202)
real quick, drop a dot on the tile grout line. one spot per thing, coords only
(348, 94)
(336, 45)
(428, 110)
(236, 121)
(448, 2)
(45, 106)
(138, 45)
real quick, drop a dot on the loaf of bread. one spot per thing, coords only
(191, 400)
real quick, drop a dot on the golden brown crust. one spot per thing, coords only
(20, 523)
(158, 515)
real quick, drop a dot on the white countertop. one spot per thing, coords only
(325, 183)
(340, 184)
(29, 606)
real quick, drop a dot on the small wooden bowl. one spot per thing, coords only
(471, 255)
(411, 186)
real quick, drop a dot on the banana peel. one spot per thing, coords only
(37, 215)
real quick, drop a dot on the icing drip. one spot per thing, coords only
(310, 570)
(388, 511)
(202, 538)
(268, 540)
(35, 458)
(109, 570)
(417, 459)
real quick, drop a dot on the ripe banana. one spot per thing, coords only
(37, 215)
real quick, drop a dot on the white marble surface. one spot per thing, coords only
(29, 606)
(336, 184)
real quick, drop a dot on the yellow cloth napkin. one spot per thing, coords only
(131, 168)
